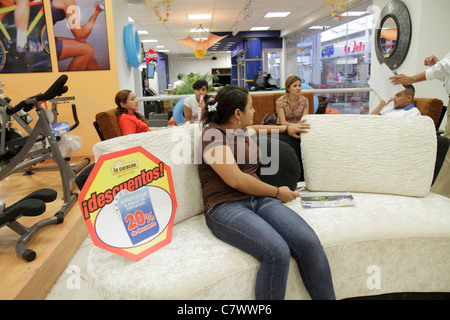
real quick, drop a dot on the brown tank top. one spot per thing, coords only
(246, 154)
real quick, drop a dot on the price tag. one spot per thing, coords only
(136, 211)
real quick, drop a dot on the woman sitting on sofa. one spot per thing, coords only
(130, 121)
(249, 214)
(292, 106)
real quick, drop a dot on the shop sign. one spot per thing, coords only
(327, 51)
(237, 49)
(128, 203)
(151, 56)
(353, 47)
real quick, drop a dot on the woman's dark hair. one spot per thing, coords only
(122, 96)
(200, 84)
(227, 100)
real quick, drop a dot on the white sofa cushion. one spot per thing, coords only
(379, 154)
(174, 146)
(406, 238)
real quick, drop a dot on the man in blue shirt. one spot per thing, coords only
(403, 104)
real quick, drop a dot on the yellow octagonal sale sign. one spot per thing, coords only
(128, 203)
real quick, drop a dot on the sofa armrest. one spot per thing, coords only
(430, 107)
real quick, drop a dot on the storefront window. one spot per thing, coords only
(271, 65)
(334, 55)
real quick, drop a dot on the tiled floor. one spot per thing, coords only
(73, 284)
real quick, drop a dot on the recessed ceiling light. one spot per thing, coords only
(130, 20)
(160, 46)
(319, 27)
(277, 14)
(259, 28)
(142, 32)
(199, 16)
(149, 40)
(165, 50)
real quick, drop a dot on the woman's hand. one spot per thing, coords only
(295, 130)
(286, 195)
(201, 104)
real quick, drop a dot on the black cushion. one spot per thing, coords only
(281, 168)
(443, 145)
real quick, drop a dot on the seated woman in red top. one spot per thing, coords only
(130, 121)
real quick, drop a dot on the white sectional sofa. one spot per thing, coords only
(396, 238)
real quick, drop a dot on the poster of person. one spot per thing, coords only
(23, 37)
(81, 37)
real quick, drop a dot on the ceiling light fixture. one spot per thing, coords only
(277, 14)
(149, 40)
(199, 16)
(319, 27)
(353, 13)
(259, 28)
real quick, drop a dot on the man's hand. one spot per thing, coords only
(430, 61)
(401, 79)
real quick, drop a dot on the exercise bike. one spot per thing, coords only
(19, 152)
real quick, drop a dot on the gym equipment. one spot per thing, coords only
(30, 206)
(20, 152)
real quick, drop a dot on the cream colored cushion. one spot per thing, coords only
(406, 238)
(174, 146)
(361, 153)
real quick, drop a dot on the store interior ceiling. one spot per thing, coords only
(231, 16)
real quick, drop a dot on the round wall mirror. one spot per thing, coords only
(393, 34)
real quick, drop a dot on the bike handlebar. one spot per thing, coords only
(56, 89)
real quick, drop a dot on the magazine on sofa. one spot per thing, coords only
(317, 200)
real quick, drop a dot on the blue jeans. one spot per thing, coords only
(271, 232)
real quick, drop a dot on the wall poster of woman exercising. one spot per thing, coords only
(81, 36)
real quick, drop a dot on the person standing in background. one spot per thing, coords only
(440, 70)
(178, 83)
